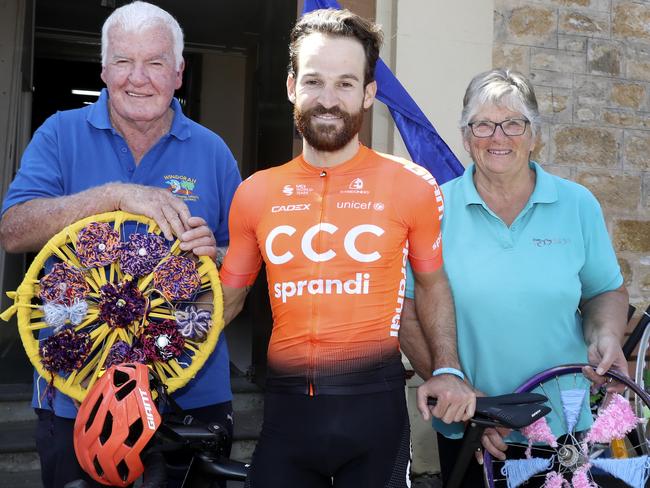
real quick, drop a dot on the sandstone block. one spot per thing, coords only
(590, 91)
(644, 281)
(626, 271)
(636, 150)
(542, 77)
(629, 95)
(585, 146)
(638, 70)
(585, 114)
(600, 5)
(511, 56)
(525, 24)
(637, 61)
(554, 103)
(554, 60)
(631, 20)
(541, 151)
(604, 57)
(586, 23)
(632, 235)
(615, 192)
(622, 119)
(571, 43)
(561, 171)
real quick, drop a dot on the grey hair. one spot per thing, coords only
(501, 87)
(137, 16)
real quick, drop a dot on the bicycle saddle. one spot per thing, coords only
(514, 411)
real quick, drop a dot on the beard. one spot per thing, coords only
(324, 136)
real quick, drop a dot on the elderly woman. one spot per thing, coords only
(523, 249)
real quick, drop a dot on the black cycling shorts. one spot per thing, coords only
(342, 441)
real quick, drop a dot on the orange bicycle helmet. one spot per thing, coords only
(115, 422)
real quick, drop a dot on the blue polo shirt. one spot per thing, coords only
(517, 289)
(79, 149)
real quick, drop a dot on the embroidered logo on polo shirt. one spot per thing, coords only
(182, 186)
(561, 241)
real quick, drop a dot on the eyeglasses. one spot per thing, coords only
(487, 128)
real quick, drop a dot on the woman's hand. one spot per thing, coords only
(606, 353)
(492, 441)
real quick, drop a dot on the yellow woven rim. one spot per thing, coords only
(30, 316)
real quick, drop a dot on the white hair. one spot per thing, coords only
(504, 88)
(137, 16)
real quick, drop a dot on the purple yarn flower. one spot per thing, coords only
(63, 284)
(121, 305)
(193, 323)
(97, 244)
(140, 255)
(177, 278)
(161, 341)
(65, 351)
(118, 354)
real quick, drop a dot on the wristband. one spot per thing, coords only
(454, 371)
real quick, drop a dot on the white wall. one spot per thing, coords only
(434, 47)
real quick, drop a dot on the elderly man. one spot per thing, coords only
(332, 227)
(117, 154)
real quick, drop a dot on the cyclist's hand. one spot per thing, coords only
(606, 353)
(456, 399)
(493, 443)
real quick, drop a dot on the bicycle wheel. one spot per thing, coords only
(579, 452)
(108, 289)
(642, 378)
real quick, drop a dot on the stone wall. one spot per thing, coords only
(590, 63)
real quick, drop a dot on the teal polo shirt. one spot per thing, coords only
(517, 289)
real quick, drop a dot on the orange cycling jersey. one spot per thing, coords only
(335, 242)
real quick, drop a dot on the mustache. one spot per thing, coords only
(320, 110)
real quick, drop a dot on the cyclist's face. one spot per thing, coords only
(328, 93)
(499, 154)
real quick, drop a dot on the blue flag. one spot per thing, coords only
(422, 141)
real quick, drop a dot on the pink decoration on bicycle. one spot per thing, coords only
(555, 480)
(539, 431)
(581, 479)
(614, 422)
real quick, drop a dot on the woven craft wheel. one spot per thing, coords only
(64, 248)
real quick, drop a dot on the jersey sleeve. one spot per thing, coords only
(422, 211)
(39, 175)
(243, 259)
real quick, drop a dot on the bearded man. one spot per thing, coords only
(332, 227)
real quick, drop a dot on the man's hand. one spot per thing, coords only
(170, 212)
(199, 239)
(605, 353)
(456, 399)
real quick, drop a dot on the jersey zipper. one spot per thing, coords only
(315, 320)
